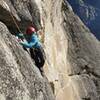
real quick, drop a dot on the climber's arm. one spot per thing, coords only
(28, 45)
(20, 35)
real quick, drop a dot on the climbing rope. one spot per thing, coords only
(41, 31)
(42, 40)
(7, 7)
(15, 22)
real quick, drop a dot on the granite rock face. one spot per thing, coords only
(72, 54)
(19, 78)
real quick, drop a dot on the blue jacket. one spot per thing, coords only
(32, 41)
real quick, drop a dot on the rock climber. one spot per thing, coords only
(35, 46)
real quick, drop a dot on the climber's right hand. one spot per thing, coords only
(19, 40)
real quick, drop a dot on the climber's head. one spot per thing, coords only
(30, 30)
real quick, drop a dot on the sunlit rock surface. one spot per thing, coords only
(72, 53)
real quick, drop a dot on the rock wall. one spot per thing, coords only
(72, 53)
(19, 78)
(74, 65)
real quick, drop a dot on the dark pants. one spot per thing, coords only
(38, 55)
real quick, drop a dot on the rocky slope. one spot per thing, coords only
(73, 54)
(89, 12)
(19, 78)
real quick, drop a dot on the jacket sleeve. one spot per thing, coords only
(20, 35)
(28, 45)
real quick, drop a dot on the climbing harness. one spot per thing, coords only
(42, 39)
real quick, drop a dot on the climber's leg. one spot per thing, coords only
(33, 55)
(39, 57)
